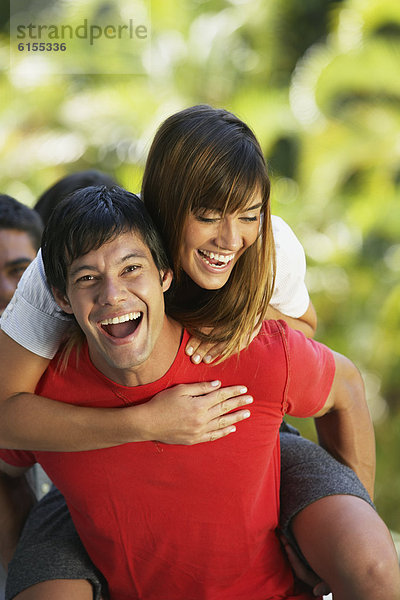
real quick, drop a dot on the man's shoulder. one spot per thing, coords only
(272, 331)
(71, 367)
(278, 333)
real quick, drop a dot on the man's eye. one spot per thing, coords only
(17, 272)
(85, 278)
(132, 268)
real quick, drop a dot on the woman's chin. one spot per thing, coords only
(210, 281)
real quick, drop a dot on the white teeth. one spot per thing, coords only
(128, 317)
(224, 258)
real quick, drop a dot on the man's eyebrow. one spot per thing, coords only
(136, 254)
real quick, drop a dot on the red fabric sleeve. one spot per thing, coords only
(311, 369)
(18, 458)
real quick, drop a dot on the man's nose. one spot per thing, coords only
(112, 292)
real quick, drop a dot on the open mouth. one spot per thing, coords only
(123, 326)
(216, 260)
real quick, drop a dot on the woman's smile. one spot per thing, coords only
(215, 260)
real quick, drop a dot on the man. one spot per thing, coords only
(165, 521)
(20, 235)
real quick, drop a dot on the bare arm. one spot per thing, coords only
(187, 414)
(16, 500)
(307, 323)
(344, 425)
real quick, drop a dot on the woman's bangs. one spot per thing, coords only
(233, 194)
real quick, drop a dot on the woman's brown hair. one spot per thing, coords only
(207, 158)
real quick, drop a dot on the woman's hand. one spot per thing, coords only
(200, 350)
(193, 413)
(207, 352)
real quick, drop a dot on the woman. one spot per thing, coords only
(207, 189)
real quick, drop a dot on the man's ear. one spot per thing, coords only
(62, 301)
(166, 279)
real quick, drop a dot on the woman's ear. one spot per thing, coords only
(62, 301)
(166, 279)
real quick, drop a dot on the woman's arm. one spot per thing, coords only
(344, 424)
(307, 323)
(185, 414)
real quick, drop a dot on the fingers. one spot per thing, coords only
(203, 351)
(209, 409)
(217, 434)
(192, 346)
(226, 421)
(227, 399)
(209, 395)
(225, 425)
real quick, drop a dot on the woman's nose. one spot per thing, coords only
(229, 237)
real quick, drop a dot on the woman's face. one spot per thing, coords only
(212, 244)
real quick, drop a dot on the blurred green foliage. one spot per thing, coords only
(319, 82)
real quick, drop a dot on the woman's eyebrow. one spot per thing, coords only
(254, 207)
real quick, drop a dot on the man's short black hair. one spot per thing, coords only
(89, 218)
(15, 215)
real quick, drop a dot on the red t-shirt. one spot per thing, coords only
(169, 522)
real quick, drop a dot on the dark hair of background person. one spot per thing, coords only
(89, 218)
(15, 215)
(65, 186)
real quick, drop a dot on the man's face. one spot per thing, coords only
(116, 295)
(16, 253)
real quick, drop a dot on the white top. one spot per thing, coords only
(34, 320)
(290, 295)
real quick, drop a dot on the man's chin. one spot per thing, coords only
(126, 358)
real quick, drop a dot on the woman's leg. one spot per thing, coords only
(58, 589)
(327, 512)
(50, 560)
(349, 546)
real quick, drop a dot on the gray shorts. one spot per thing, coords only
(309, 473)
(50, 548)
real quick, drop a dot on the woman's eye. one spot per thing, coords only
(208, 216)
(249, 219)
(207, 219)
